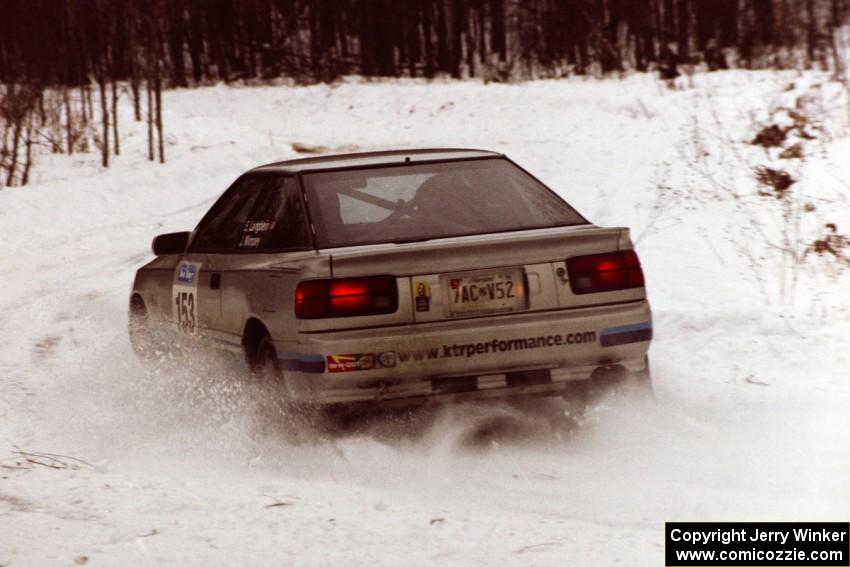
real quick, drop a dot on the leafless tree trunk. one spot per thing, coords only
(137, 103)
(84, 116)
(69, 121)
(811, 31)
(104, 108)
(13, 164)
(90, 102)
(115, 138)
(4, 147)
(25, 176)
(158, 92)
(150, 119)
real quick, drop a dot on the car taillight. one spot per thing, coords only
(605, 272)
(350, 297)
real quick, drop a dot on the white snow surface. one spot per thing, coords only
(750, 420)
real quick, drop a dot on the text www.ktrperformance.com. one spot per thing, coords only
(468, 350)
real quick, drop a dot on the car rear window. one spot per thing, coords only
(430, 200)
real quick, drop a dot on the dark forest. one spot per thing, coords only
(70, 42)
(77, 58)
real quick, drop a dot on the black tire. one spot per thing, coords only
(577, 397)
(641, 382)
(138, 328)
(151, 342)
(264, 363)
(278, 412)
(584, 394)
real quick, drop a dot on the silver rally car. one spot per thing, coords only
(401, 277)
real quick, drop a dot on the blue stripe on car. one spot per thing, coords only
(626, 334)
(299, 362)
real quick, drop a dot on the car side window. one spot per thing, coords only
(261, 213)
(277, 222)
(221, 230)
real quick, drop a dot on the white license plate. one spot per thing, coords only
(485, 291)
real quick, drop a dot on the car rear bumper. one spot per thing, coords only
(530, 353)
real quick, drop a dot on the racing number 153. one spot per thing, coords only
(185, 301)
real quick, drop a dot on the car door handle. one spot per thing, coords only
(215, 281)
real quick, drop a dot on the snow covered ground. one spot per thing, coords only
(750, 421)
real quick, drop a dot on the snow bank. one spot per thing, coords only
(183, 467)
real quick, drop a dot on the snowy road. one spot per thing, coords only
(750, 420)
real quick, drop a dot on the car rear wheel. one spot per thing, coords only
(277, 410)
(577, 397)
(607, 384)
(264, 362)
(642, 381)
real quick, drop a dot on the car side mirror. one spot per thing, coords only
(171, 243)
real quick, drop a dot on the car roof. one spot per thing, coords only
(365, 159)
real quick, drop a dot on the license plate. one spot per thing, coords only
(486, 291)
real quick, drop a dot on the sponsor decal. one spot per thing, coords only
(350, 362)
(423, 296)
(469, 350)
(638, 332)
(360, 361)
(387, 359)
(310, 363)
(186, 274)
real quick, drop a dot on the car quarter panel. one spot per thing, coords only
(262, 286)
(153, 283)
